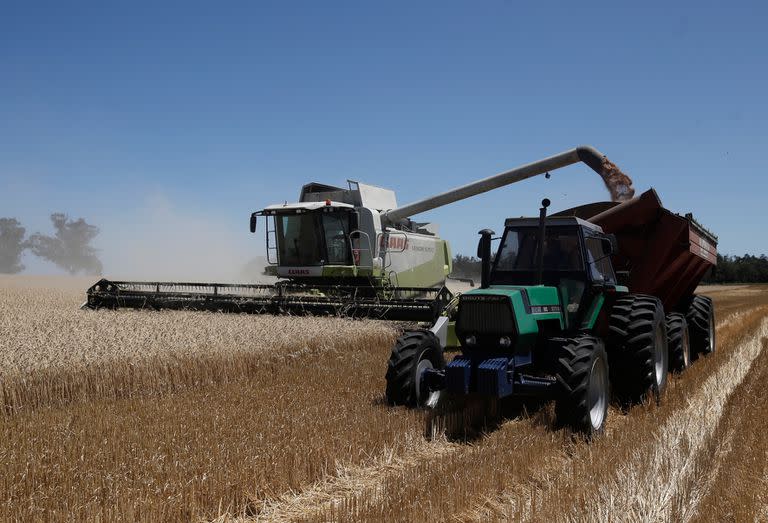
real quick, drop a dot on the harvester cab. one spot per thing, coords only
(336, 236)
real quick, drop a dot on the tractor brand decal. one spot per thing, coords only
(543, 309)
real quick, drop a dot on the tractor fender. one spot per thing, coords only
(440, 329)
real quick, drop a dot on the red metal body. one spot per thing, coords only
(665, 254)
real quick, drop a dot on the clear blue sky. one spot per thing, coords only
(220, 108)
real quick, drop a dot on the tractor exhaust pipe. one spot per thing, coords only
(618, 183)
(484, 253)
(542, 241)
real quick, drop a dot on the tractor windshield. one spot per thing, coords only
(518, 252)
(313, 238)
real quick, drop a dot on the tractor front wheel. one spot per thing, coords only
(582, 376)
(413, 353)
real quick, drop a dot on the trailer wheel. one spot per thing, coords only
(701, 323)
(413, 353)
(679, 342)
(638, 348)
(582, 377)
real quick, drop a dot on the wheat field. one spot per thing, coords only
(186, 416)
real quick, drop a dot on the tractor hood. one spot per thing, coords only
(485, 316)
(534, 299)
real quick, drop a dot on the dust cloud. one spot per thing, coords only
(160, 241)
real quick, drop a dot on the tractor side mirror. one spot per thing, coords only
(253, 222)
(609, 244)
(484, 253)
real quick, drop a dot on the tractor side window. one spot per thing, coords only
(599, 263)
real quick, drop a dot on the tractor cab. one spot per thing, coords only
(574, 257)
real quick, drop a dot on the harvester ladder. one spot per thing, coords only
(358, 252)
(270, 247)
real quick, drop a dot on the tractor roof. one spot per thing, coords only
(552, 221)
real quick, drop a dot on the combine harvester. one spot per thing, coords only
(350, 252)
(597, 297)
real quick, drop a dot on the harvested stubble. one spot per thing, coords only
(730, 479)
(526, 471)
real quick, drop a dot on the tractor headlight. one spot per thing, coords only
(505, 342)
(470, 341)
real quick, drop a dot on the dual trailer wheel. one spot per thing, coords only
(645, 346)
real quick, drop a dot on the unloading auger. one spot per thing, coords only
(350, 252)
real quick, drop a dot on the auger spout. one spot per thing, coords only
(618, 183)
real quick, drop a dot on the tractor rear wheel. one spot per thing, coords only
(701, 323)
(638, 348)
(679, 342)
(582, 377)
(413, 353)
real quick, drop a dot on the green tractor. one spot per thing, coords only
(551, 319)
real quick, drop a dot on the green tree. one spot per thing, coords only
(12, 245)
(466, 267)
(70, 247)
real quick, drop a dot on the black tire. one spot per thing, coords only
(679, 342)
(583, 380)
(412, 348)
(701, 325)
(638, 351)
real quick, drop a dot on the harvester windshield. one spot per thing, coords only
(313, 238)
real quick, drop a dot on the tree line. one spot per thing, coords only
(730, 269)
(68, 248)
(739, 269)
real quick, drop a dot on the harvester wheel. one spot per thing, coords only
(582, 376)
(679, 342)
(413, 353)
(701, 323)
(638, 348)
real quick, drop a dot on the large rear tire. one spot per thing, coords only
(679, 342)
(413, 353)
(582, 376)
(701, 323)
(638, 348)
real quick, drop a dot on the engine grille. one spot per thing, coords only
(485, 314)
